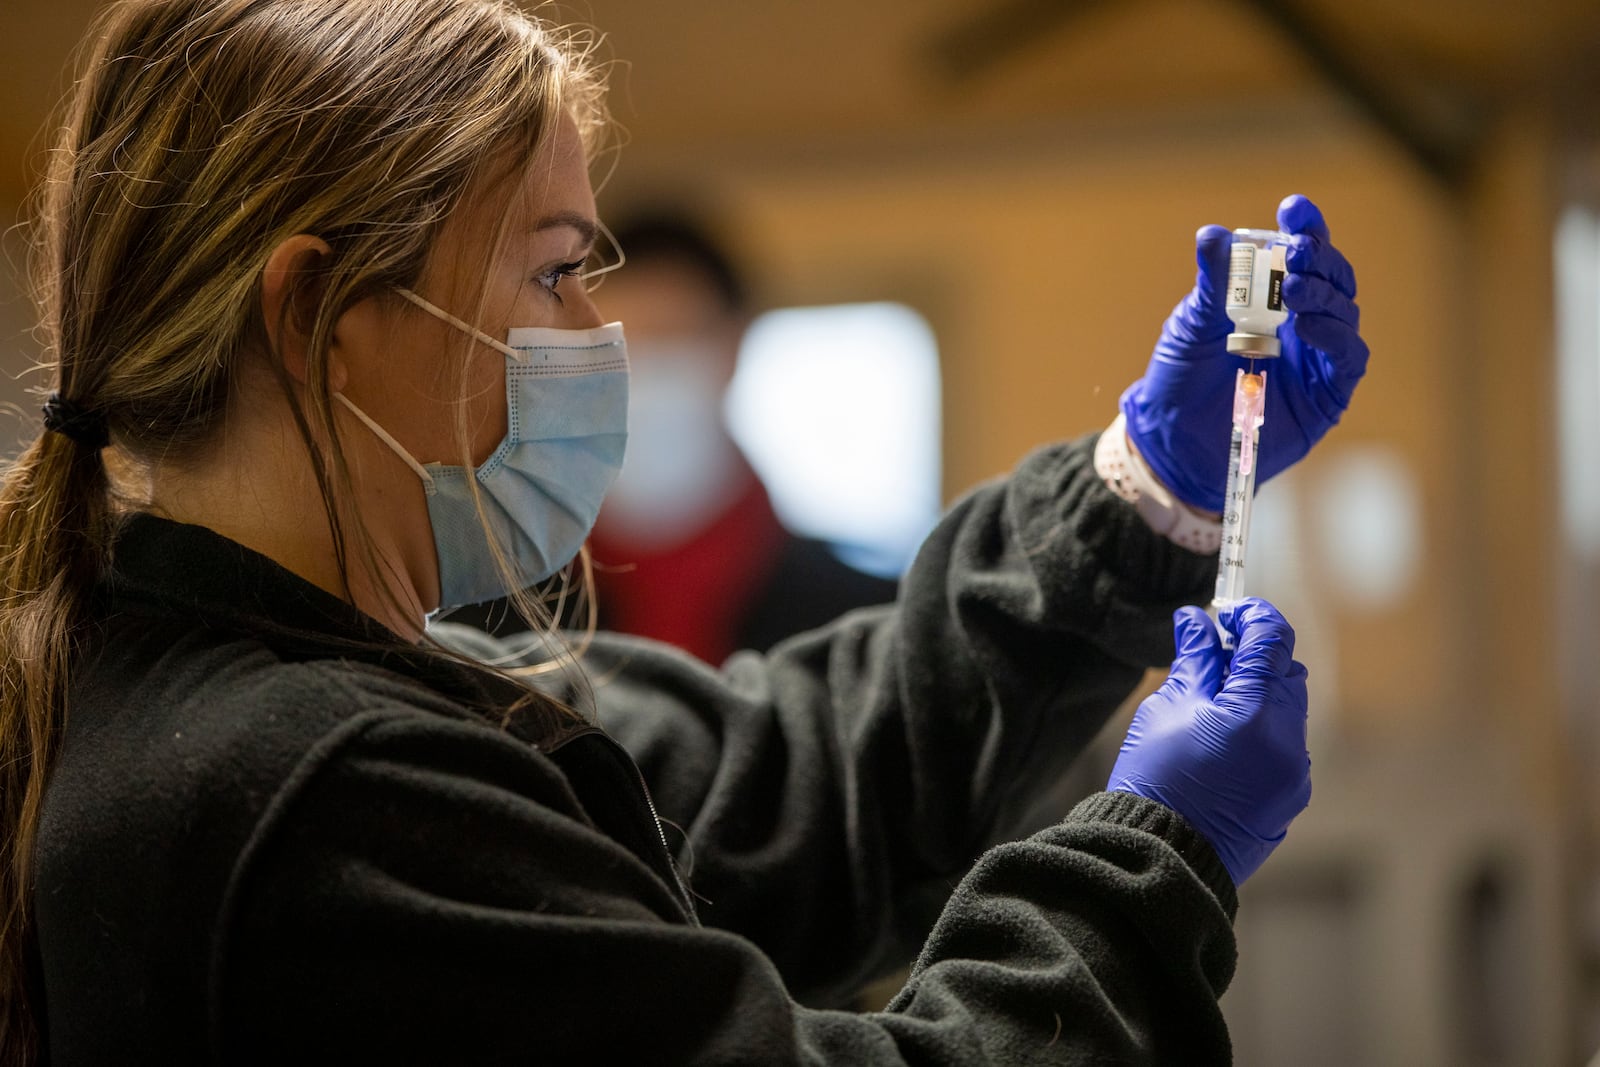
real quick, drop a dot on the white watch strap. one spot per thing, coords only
(1118, 463)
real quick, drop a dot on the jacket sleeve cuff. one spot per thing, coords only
(1121, 578)
(1139, 813)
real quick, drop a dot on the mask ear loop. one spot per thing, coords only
(388, 439)
(464, 326)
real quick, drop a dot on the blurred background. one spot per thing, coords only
(1003, 194)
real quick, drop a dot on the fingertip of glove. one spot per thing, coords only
(1212, 247)
(1252, 613)
(1264, 644)
(1189, 619)
(1310, 295)
(1211, 242)
(1194, 634)
(1297, 214)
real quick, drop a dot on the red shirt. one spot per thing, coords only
(694, 594)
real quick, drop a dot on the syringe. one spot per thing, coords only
(1249, 412)
(1258, 264)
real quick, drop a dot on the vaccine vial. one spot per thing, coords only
(1256, 270)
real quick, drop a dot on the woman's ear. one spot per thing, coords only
(285, 296)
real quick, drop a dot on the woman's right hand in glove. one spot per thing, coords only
(1224, 745)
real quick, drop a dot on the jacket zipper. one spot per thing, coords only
(684, 897)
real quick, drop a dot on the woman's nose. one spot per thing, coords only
(581, 313)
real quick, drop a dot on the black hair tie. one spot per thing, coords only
(83, 425)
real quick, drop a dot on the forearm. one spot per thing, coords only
(1103, 939)
(1106, 938)
(855, 767)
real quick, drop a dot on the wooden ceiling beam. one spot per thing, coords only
(1446, 154)
(978, 45)
(973, 46)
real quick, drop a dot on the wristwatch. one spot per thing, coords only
(1118, 463)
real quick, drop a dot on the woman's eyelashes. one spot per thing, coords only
(550, 279)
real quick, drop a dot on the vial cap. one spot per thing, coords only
(1262, 346)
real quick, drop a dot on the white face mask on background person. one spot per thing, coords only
(682, 468)
(566, 433)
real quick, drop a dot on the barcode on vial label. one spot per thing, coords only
(1241, 274)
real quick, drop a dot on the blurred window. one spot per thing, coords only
(1578, 377)
(1369, 514)
(837, 409)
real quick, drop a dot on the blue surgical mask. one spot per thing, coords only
(567, 425)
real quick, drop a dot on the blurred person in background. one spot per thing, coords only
(321, 363)
(688, 548)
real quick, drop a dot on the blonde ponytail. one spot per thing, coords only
(53, 536)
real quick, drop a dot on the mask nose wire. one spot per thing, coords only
(464, 326)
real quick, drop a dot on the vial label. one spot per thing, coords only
(1241, 274)
(1280, 260)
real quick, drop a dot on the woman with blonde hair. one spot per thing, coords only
(322, 363)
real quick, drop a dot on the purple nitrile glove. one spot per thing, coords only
(1179, 413)
(1225, 747)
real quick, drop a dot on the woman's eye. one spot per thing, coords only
(551, 278)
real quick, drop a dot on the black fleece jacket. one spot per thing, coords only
(276, 835)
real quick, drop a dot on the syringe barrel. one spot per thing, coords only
(1237, 503)
(1249, 405)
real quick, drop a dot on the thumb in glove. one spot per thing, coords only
(1222, 742)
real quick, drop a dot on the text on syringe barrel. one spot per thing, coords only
(1237, 503)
